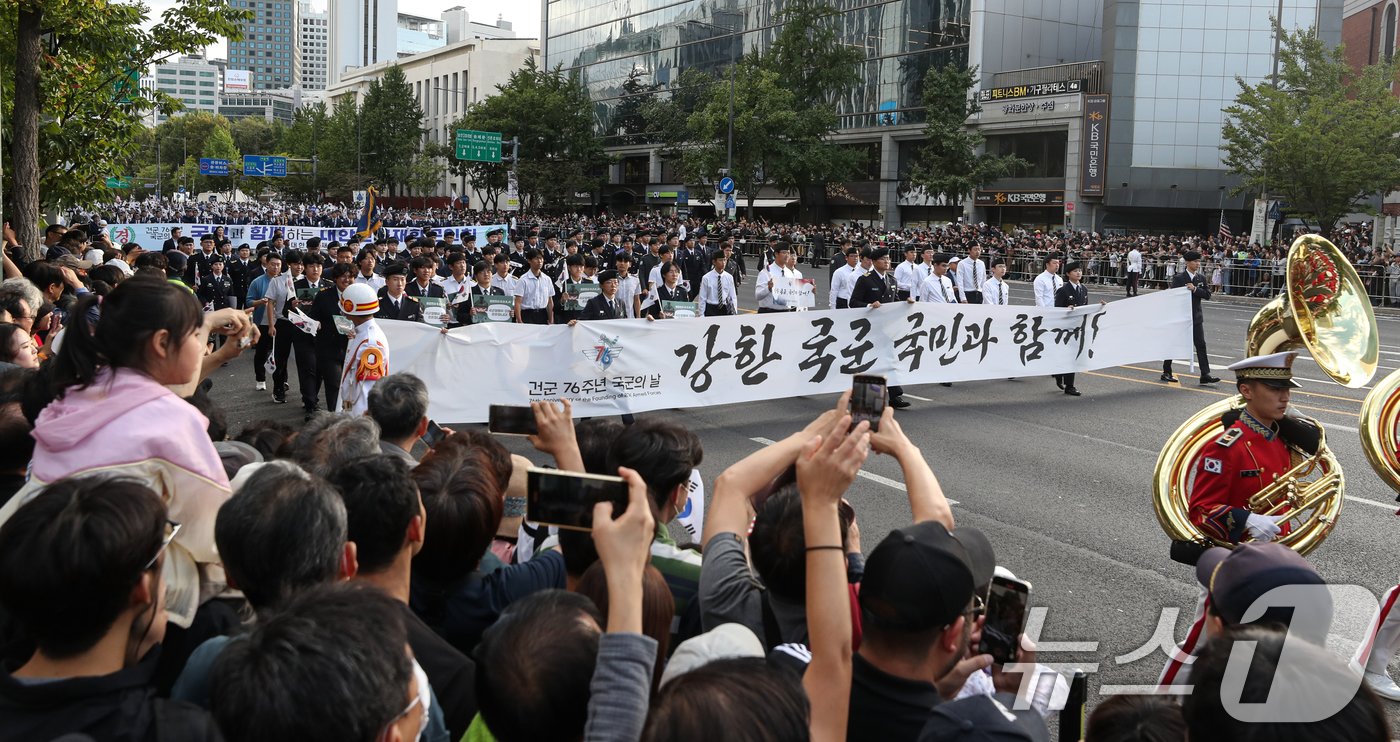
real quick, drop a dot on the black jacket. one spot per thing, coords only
(597, 308)
(1201, 293)
(433, 290)
(121, 707)
(870, 288)
(324, 309)
(215, 290)
(409, 309)
(1070, 295)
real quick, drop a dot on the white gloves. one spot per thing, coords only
(1263, 528)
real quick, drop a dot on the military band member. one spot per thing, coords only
(367, 355)
(874, 288)
(1248, 456)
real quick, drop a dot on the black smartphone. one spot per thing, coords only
(566, 499)
(434, 434)
(868, 397)
(1007, 602)
(508, 420)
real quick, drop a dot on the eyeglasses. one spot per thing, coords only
(171, 528)
(979, 606)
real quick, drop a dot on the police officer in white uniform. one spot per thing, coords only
(367, 354)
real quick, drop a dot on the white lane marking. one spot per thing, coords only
(876, 478)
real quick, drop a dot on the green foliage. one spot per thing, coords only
(808, 55)
(666, 118)
(1321, 137)
(424, 171)
(948, 166)
(90, 126)
(391, 129)
(550, 113)
(303, 140)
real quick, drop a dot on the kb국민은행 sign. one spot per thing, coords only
(613, 366)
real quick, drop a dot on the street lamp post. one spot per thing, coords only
(734, 38)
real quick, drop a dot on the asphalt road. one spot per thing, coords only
(1061, 485)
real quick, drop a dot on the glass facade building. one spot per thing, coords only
(1173, 65)
(605, 40)
(269, 48)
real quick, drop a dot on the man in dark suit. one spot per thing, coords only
(1072, 294)
(1193, 279)
(873, 289)
(394, 303)
(174, 242)
(330, 342)
(306, 289)
(605, 305)
(424, 268)
(241, 270)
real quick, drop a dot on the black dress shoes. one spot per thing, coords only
(1168, 378)
(898, 403)
(1208, 379)
(1071, 391)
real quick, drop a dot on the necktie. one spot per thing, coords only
(944, 286)
(1001, 293)
(611, 309)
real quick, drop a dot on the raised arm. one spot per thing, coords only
(926, 500)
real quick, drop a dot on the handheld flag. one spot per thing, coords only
(369, 223)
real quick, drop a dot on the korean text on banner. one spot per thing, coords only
(615, 366)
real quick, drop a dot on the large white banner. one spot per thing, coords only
(152, 236)
(614, 366)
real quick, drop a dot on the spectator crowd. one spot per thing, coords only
(163, 577)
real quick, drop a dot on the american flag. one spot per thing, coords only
(1225, 234)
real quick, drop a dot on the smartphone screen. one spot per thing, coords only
(434, 434)
(507, 420)
(1006, 619)
(868, 398)
(566, 499)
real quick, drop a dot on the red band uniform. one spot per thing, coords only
(1233, 468)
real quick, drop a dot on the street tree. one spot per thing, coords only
(1322, 137)
(551, 114)
(220, 145)
(951, 165)
(302, 140)
(74, 104)
(424, 171)
(391, 129)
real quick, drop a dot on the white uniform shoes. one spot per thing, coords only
(1383, 685)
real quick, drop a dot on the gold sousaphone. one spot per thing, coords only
(1324, 310)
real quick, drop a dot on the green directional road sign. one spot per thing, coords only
(478, 146)
(118, 183)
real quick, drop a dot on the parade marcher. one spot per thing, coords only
(768, 279)
(717, 294)
(1195, 281)
(873, 289)
(573, 291)
(605, 305)
(306, 289)
(241, 272)
(534, 296)
(1134, 270)
(422, 283)
(467, 310)
(670, 288)
(330, 341)
(1071, 294)
(1048, 283)
(215, 288)
(394, 301)
(972, 273)
(843, 279)
(938, 287)
(260, 296)
(368, 262)
(629, 286)
(367, 353)
(1249, 455)
(995, 290)
(458, 280)
(908, 275)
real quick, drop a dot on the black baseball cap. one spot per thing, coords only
(917, 578)
(1235, 578)
(993, 718)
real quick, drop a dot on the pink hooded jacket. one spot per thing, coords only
(127, 424)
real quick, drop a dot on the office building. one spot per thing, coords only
(1369, 35)
(362, 33)
(460, 26)
(263, 104)
(445, 82)
(416, 34)
(1116, 103)
(268, 49)
(313, 38)
(193, 80)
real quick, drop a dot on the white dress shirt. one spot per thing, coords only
(373, 280)
(1046, 284)
(508, 284)
(627, 289)
(842, 281)
(938, 290)
(718, 288)
(971, 275)
(1134, 261)
(534, 291)
(906, 274)
(996, 291)
(452, 286)
(763, 294)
